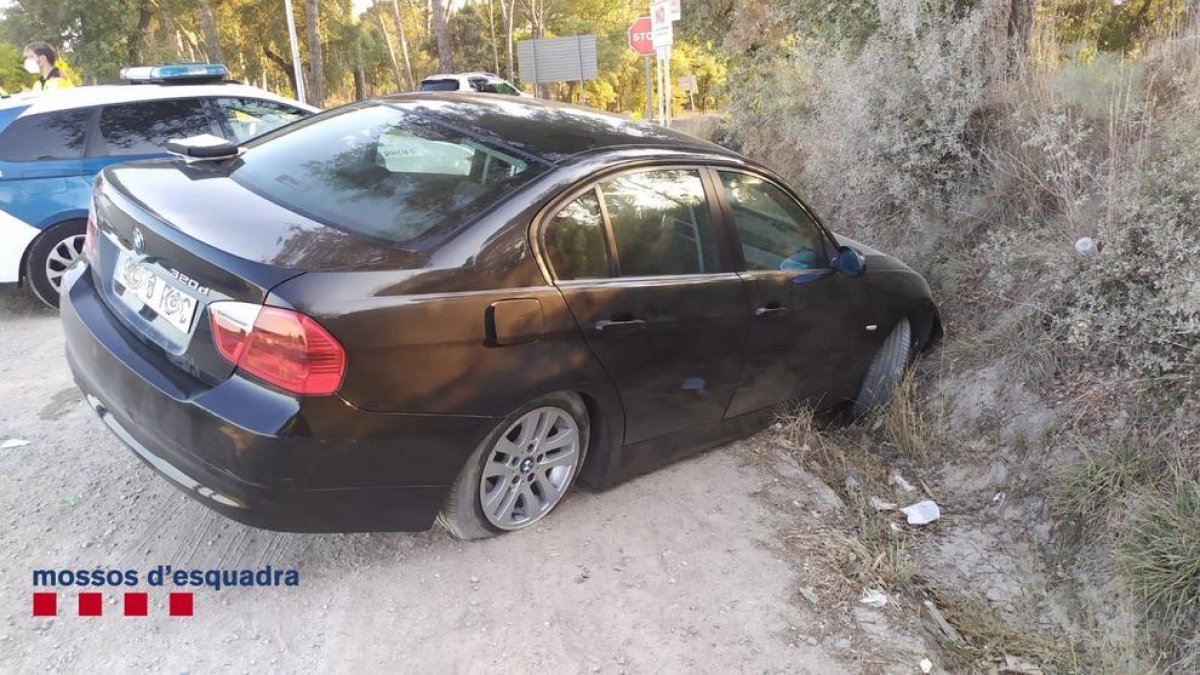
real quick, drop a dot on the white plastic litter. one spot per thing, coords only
(874, 597)
(926, 666)
(880, 505)
(1086, 247)
(903, 484)
(13, 443)
(922, 513)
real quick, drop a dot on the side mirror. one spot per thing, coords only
(850, 262)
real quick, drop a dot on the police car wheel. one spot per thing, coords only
(52, 253)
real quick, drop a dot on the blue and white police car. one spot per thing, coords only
(52, 146)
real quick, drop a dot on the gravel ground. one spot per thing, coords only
(677, 570)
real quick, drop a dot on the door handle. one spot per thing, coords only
(619, 323)
(770, 311)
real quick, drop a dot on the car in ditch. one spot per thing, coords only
(449, 307)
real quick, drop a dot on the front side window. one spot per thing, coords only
(249, 117)
(55, 135)
(661, 223)
(506, 88)
(776, 233)
(144, 128)
(382, 172)
(574, 240)
(481, 84)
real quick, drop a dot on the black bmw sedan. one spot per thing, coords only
(450, 307)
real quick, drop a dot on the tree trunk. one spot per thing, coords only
(134, 55)
(445, 58)
(1020, 31)
(509, 12)
(316, 67)
(211, 44)
(492, 31)
(283, 64)
(387, 38)
(360, 78)
(403, 44)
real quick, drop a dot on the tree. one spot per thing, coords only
(445, 58)
(316, 69)
(403, 43)
(211, 43)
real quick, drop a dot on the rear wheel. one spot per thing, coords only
(886, 370)
(52, 253)
(521, 470)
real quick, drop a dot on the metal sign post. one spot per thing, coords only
(297, 71)
(662, 36)
(640, 42)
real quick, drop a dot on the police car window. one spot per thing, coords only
(439, 85)
(248, 117)
(144, 128)
(56, 135)
(506, 88)
(482, 85)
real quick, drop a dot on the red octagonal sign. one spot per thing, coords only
(639, 37)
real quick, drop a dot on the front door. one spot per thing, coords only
(638, 261)
(808, 321)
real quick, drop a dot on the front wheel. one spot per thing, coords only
(521, 470)
(52, 253)
(886, 370)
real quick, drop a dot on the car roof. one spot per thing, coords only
(554, 132)
(107, 94)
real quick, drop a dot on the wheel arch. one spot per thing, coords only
(926, 325)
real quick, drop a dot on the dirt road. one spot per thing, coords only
(680, 570)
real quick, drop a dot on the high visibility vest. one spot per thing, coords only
(51, 83)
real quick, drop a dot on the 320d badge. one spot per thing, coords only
(452, 307)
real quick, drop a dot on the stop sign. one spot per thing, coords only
(639, 37)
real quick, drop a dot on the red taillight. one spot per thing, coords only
(90, 241)
(281, 346)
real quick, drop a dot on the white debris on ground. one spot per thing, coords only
(13, 443)
(874, 597)
(903, 484)
(922, 513)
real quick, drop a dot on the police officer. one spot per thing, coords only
(39, 60)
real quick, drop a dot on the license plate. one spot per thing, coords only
(142, 284)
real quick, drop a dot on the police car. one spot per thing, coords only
(52, 146)
(483, 83)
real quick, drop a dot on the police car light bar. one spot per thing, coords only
(190, 72)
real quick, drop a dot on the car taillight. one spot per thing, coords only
(91, 244)
(281, 346)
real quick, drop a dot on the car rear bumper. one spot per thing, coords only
(264, 468)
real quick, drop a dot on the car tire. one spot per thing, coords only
(886, 370)
(52, 252)
(539, 476)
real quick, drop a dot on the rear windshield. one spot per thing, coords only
(382, 172)
(439, 85)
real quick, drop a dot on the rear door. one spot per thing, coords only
(41, 178)
(638, 259)
(808, 322)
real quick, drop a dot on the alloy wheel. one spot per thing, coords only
(529, 468)
(60, 258)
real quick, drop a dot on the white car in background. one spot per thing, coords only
(485, 83)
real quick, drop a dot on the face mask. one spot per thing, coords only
(31, 66)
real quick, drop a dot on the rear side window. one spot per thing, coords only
(250, 117)
(439, 85)
(574, 240)
(144, 128)
(661, 223)
(378, 171)
(55, 135)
